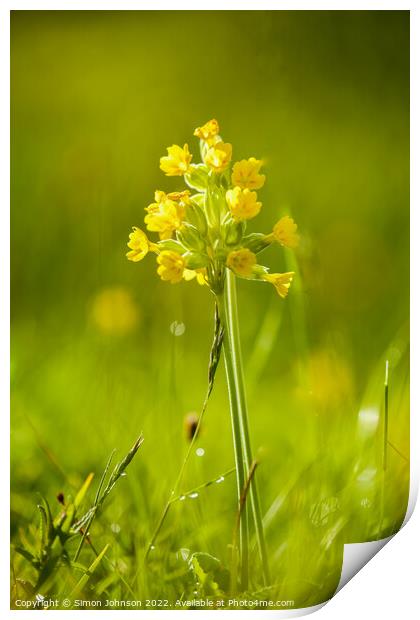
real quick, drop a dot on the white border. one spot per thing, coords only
(386, 585)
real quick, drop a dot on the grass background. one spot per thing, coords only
(323, 98)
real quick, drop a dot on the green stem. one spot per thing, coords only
(214, 361)
(240, 426)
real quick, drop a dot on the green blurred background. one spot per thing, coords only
(323, 99)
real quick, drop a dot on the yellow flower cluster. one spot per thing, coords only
(202, 230)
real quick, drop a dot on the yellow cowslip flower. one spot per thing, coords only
(246, 175)
(138, 244)
(218, 156)
(177, 162)
(281, 281)
(165, 215)
(210, 221)
(171, 266)
(242, 203)
(284, 232)
(208, 132)
(242, 262)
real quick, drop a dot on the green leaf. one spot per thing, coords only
(198, 177)
(83, 490)
(208, 570)
(89, 572)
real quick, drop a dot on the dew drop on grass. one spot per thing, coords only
(181, 499)
(152, 547)
(193, 495)
(177, 328)
(219, 480)
(200, 452)
(123, 474)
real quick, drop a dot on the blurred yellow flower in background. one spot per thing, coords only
(246, 174)
(330, 378)
(218, 157)
(177, 162)
(285, 232)
(242, 203)
(281, 281)
(242, 262)
(171, 266)
(113, 311)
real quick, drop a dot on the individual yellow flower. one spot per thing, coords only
(242, 203)
(208, 131)
(139, 245)
(177, 162)
(218, 156)
(242, 262)
(246, 175)
(281, 281)
(284, 232)
(165, 215)
(171, 266)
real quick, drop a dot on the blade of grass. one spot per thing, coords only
(215, 353)
(234, 558)
(88, 574)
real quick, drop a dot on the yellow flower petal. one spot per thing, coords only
(242, 203)
(246, 175)
(171, 266)
(165, 215)
(218, 156)
(284, 232)
(242, 262)
(281, 281)
(208, 131)
(138, 244)
(177, 162)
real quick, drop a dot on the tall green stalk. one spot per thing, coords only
(239, 416)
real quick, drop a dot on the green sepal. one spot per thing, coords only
(195, 215)
(256, 242)
(195, 260)
(232, 231)
(172, 245)
(198, 177)
(190, 237)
